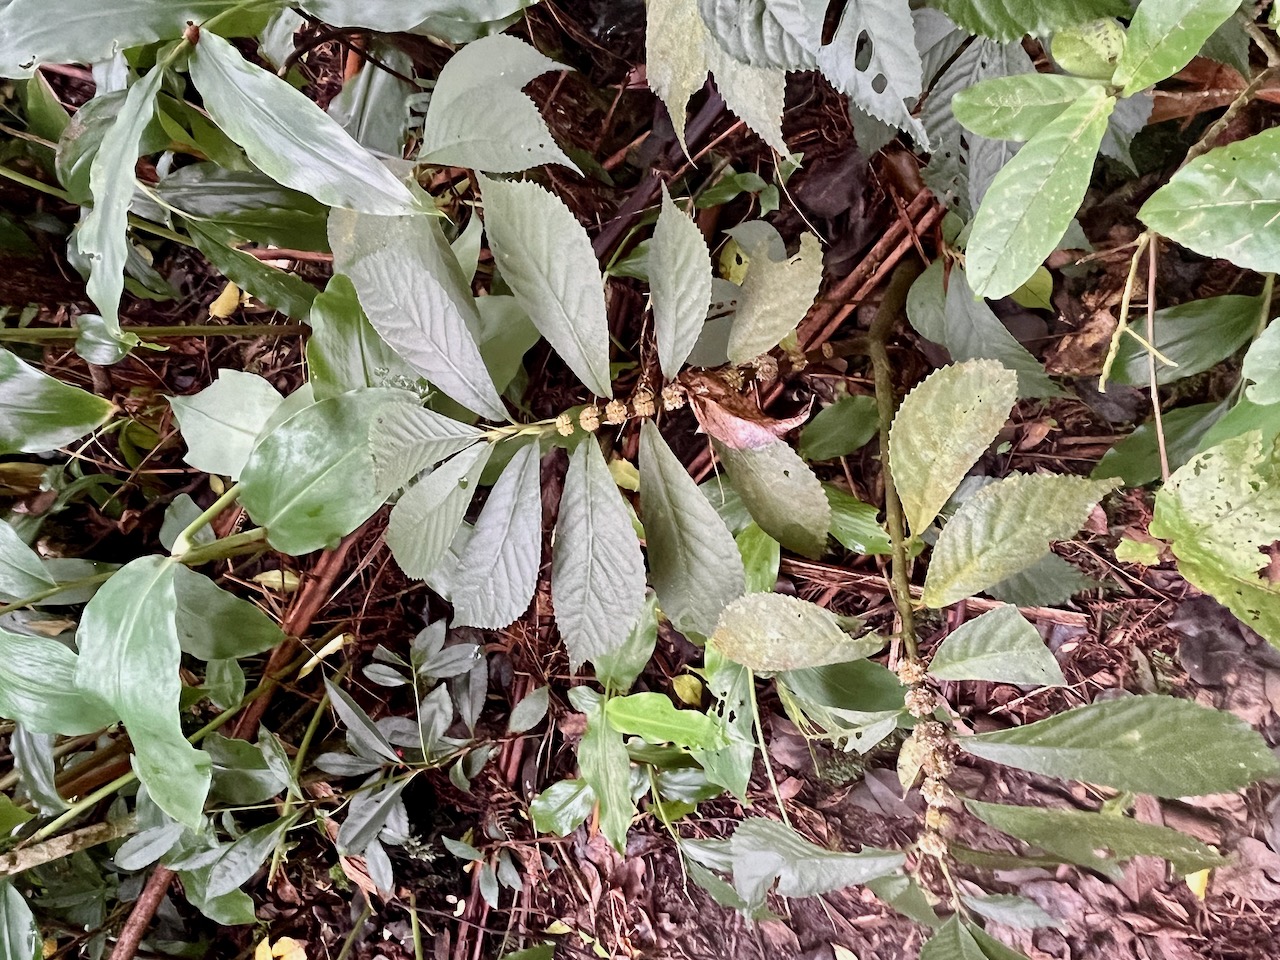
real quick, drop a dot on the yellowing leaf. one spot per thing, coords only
(224, 305)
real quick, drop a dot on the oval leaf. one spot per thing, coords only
(782, 495)
(221, 423)
(38, 688)
(425, 520)
(655, 718)
(776, 295)
(1017, 107)
(1001, 646)
(770, 632)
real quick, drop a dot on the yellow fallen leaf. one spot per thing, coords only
(1198, 882)
(281, 581)
(625, 474)
(557, 927)
(328, 650)
(225, 304)
(286, 948)
(689, 689)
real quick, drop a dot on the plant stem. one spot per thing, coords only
(891, 309)
(349, 944)
(182, 545)
(54, 591)
(39, 334)
(1151, 359)
(34, 184)
(226, 547)
(1125, 299)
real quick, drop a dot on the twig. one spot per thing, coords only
(55, 848)
(144, 908)
(1151, 358)
(41, 334)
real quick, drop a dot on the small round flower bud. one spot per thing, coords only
(589, 419)
(936, 793)
(673, 397)
(936, 819)
(615, 412)
(937, 763)
(564, 425)
(766, 367)
(642, 403)
(933, 845)
(921, 701)
(933, 733)
(912, 672)
(733, 377)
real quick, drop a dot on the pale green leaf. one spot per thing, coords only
(854, 523)
(1090, 49)
(694, 564)
(1150, 744)
(942, 428)
(680, 285)
(675, 46)
(1001, 646)
(230, 909)
(770, 632)
(776, 295)
(782, 495)
(479, 117)
(1262, 367)
(606, 767)
(19, 936)
(755, 94)
(528, 713)
(401, 16)
(216, 625)
(839, 429)
(362, 732)
(653, 717)
(1098, 841)
(1017, 107)
(761, 556)
(561, 807)
(498, 570)
(545, 255)
(1195, 335)
(288, 137)
(22, 572)
(1011, 911)
(1010, 19)
(597, 569)
(618, 670)
(309, 481)
(1225, 204)
(1033, 198)
(371, 105)
(1048, 582)
(419, 301)
(344, 352)
(767, 33)
(1221, 512)
(129, 658)
(38, 688)
(958, 939)
(1004, 528)
(221, 423)
(407, 439)
(1163, 36)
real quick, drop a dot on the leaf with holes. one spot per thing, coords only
(1001, 646)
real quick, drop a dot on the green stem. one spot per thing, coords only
(349, 944)
(54, 591)
(182, 545)
(226, 547)
(40, 334)
(1125, 299)
(34, 184)
(764, 748)
(1264, 315)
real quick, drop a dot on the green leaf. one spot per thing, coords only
(655, 718)
(761, 556)
(528, 713)
(1010, 19)
(999, 645)
(907, 897)
(22, 572)
(397, 16)
(618, 670)
(1090, 49)
(1262, 367)
(1136, 458)
(1032, 199)
(1012, 911)
(694, 564)
(958, 939)
(1244, 417)
(1220, 204)
(781, 493)
(776, 295)
(498, 570)
(606, 767)
(368, 814)
(562, 807)
(1004, 528)
(545, 255)
(854, 523)
(310, 480)
(479, 117)
(222, 422)
(288, 137)
(1150, 744)
(344, 352)
(371, 105)
(102, 238)
(241, 860)
(784, 34)
(1017, 107)
(215, 625)
(19, 936)
(597, 569)
(839, 429)
(772, 632)
(231, 909)
(407, 439)
(419, 301)
(1097, 841)
(129, 658)
(362, 733)
(274, 287)
(425, 520)
(680, 285)
(1163, 36)
(1047, 582)
(38, 688)
(1221, 512)
(1196, 336)
(941, 429)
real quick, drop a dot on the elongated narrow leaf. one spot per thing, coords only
(1163, 36)
(694, 564)
(1224, 204)
(942, 428)
(424, 521)
(275, 287)
(408, 439)
(1017, 107)
(242, 858)
(499, 566)
(38, 689)
(22, 572)
(362, 732)
(1261, 367)
(655, 718)
(480, 118)
(1157, 745)
(129, 657)
(1006, 527)
(606, 767)
(1195, 335)
(39, 413)
(597, 570)
(19, 936)
(418, 300)
(216, 625)
(1000, 645)
(1032, 199)
(772, 631)
(288, 137)
(401, 16)
(546, 257)
(221, 423)
(680, 285)
(1011, 19)
(310, 480)
(344, 352)
(776, 295)
(1098, 841)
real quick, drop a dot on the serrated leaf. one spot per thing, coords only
(597, 569)
(221, 423)
(129, 659)
(498, 570)
(694, 564)
(606, 767)
(38, 689)
(653, 717)
(1017, 107)
(1195, 336)
(942, 428)
(755, 94)
(679, 283)
(784, 34)
(1004, 528)
(546, 257)
(419, 301)
(408, 439)
(1097, 841)
(397, 16)
(480, 118)
(1047, 582)
(1163, 36)
(288, 137)
(1222, 204)
(344, 351)
(1221, 512)
(776, 295)
(1001, 646)
(770, 632)
(22, 572)
(1033, 198)
(1011, 19)
(1149, 744)
(781, 493)
(425, 520)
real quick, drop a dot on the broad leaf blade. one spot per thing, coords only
(22, 572)
(653, 717)
(425, 520)
(1017, 107)
(1162, 38)
(942, 428)
(344, 351)
(606, 767)
(221, 423)
(1195, 336)
(776, 295)
(19, 936)
(408, 439)
(1001, 646)
(213, 624)
(767, 33)
(1011, 19)
(782, 494)
(38, 689)
(770, 632)
(680, 285)
(839, 429)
